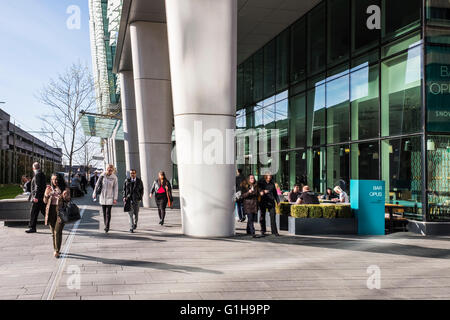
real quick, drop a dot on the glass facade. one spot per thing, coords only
(352, 102)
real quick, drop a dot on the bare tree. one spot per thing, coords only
(67, 95)
(85, 157)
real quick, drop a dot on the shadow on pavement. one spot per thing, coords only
(143, 264)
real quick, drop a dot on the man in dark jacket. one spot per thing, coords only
(308, 197)
(269, 198)
(38, 186)
(93, 180)
(133, 190)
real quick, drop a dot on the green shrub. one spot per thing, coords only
(299, 211)
(315, 211)
(329, 211)
(344, 211)
(284, 208)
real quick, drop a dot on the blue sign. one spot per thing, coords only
(367, 201)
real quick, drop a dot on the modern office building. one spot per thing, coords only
(355, 89)
(19, 150)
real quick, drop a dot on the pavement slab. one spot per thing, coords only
(159, 262)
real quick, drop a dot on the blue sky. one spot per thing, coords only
(36, 45)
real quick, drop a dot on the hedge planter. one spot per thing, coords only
(301, 226)
(283, 212)
(282, 222)
(322, 219)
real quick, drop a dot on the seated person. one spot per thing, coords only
(343, 197)
(294, 194)
(329, 194)
(307, 197)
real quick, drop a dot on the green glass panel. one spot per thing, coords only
(401, 100)
(438, 12)
(400, 45)
(338, 114)
(364, 99)
(316, 39)
(338, 31)
(363, 38)
(298, 51)
(438, 88)
(297, 118)
(316, 130)
(399, 17)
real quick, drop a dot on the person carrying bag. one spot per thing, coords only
(163, 191)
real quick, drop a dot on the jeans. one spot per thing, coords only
(273, 225)
(106, 215)
(250, 221)
(56, 227)
(240, 205)
(134, 215)
(36, 207)
(161, 202)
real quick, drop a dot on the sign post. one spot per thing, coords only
(368, 201)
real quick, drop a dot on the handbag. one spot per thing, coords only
(169, 201)
(99, 187)
(127, 205)
(69, 213)
(237, 196)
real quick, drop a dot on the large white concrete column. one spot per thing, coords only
(151, 70)
(130, 132)
(203, 48)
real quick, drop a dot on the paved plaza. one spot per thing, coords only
(158, 262)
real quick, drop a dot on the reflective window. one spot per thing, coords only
(269, 68)
(298, 51)
(438, 164)
(401, 169)
(297, 115)
(282, 123)
(338, 110)
(258, 75)
(316, 130)
(363, 37)
(401, 93)
(365, 158)
(248, 82)
(282, 72)
(438, 12)
(338, 166)
(316, 169)
(364, 101)
(316, 39)
(240, 86)
(338, 30)
(399, 17)
(438, 88)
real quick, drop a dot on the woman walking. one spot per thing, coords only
(54, 198)
(108, 190)
(249, 190)
(163, 191)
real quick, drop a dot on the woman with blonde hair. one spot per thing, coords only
(108, 190)
(55, 198)
(343, 197)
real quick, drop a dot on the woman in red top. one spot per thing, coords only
(163, 190)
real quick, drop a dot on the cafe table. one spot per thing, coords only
(391, 207)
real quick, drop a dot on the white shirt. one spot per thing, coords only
(343, 197)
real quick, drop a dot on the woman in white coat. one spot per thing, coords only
(108, 190)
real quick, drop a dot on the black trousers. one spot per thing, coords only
(161, 202)
(273, 225)
(250, 221)
(36, 207)
(107, 215)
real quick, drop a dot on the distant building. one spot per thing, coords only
(19, 149)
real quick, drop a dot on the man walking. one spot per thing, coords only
(38, 186)
(133, 190)
(93, 180)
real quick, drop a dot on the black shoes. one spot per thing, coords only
(31, 230)
(132, 230)
(106, 230)
(134, 226)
